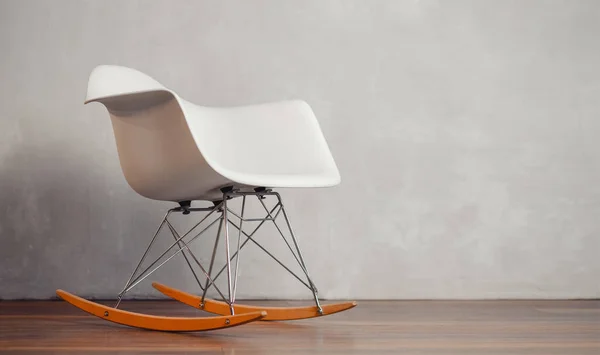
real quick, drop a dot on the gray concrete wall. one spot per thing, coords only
(465, 133)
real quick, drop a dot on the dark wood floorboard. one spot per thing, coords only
(386, 327)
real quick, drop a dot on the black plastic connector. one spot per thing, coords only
(185, 206)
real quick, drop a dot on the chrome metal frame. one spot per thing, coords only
(225, 219)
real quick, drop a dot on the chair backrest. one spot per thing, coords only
(157, 152)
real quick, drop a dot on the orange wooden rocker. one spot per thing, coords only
(173, 150)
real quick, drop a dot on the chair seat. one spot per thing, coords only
(275, 144)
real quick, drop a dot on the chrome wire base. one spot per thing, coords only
(226, 218)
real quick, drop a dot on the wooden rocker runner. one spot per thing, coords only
(173, 150)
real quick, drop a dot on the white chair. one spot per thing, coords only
(173, 150)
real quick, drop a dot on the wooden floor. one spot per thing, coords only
(398, 327)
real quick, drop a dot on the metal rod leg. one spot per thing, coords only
(287, 221)
(227, 255)
(237, 259)
(212, 262)
(122, 293)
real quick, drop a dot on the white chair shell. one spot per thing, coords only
(173, 150)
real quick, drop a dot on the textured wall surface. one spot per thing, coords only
(466, 133)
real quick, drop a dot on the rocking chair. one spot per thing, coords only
(172, 150)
